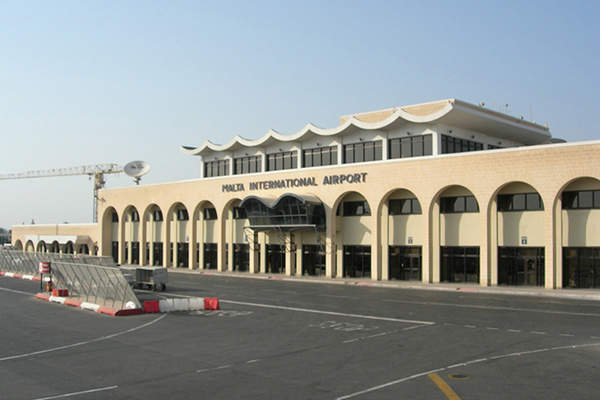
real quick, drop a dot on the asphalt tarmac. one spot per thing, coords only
(295, 340)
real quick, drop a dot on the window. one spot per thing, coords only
(455, 145)
(210, 213)
(362, 151)
(319, 156)
(135, 217)
(356, 208)
(182, 214)
(239, 213)
(412, 146)
(115, 217)
(458, 204)
(520, 202)
(581, 200)
(157, 215)
(247, 165)
(404, 206)
(216, 168)
(282, 160)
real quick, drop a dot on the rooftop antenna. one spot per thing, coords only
(136, 169)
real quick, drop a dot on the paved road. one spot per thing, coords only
(294, 340)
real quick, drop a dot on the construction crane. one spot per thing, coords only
(134, 169)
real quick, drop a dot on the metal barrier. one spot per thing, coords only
(105, 286)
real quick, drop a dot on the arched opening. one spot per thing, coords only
(68, 249)
(18, 245)
(289, 231)
(29, 246)
(518, 210)
(456, 221)
(41, 247)
(353, 235)
(237, 247)
(580, 216)
(55, 247)
(153, 232)
(83, 248)
(205, 218)
(110, 234)
(178, 219)
(130, 234)
(403, 233)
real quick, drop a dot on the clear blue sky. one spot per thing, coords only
(86, 82)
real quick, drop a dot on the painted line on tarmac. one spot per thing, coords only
(68, 346)
(443, 386)
(464, 364)
(495, 308)
(307, 310)
(60, 396)
(16, 291)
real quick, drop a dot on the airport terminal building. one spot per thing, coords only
(444, 191)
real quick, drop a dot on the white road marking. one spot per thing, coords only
(68, 346)
(252, 361)
(567, 334)
(594, 337)
(214, 369)
(470, 326)
(513, 330)
(491, 328)
(16, 291)
(479, 360)
(537, 333)
(243, 303)
(60, 396)
(497, 308)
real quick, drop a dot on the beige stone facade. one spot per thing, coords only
(126, 215)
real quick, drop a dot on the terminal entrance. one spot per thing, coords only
(114, 251)
(405, 263)
(459, 264)
(521, 266)
(357, 261)
(157, 252)
(182, 255)
(241, 257)
(581, 267)
(210, 256)
(135, 252)
(313, 260)
(275, 259)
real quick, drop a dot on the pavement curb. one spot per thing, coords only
(20, 276)
(87, 306)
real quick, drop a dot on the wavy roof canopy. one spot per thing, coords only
(449, 112)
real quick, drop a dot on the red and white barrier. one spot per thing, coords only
(185, 304)
(23, 276)
(87, 306)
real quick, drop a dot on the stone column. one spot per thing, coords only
(262, 238)
(550, 240)
(299, 254)
(385, 241)
(253, 247)
(231, 238)
(289, 254)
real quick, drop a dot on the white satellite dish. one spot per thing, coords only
(136, 169)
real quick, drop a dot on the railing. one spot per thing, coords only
(102, 285)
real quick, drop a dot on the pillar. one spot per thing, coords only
(166, 237)
(191, 235)
(121, 239)
(330, 246)
(289, 254)
(550, 240)
(230, 238)
(299, 254)
(484, 245)
(493, 243)
(253, 247)
(262, 238)
(558, 243)
(385, 241)
(201, 239)
(375, 245)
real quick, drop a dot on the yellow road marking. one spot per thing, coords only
(443, 386)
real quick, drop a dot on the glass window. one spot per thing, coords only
(182, 215)
(417, 146)
(586, 199)
(307, 158)
(359, 152)
(356, 208)
(394, 148)
(416, 206)
(157, 215)
(518, 202)
(534, 202)
(210, 213)
(471, 204)
(427, 145)
(456, 145)
(364, 151)
(239, 213)
(377, 149)
(406, 147)
(348, 153)
(597, 199)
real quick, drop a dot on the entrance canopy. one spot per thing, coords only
(288, 212)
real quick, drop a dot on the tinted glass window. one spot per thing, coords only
(586, 199)
(210, 213)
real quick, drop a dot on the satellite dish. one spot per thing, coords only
(136, 169)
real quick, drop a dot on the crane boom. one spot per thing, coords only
(69, 171)
(96, 170)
